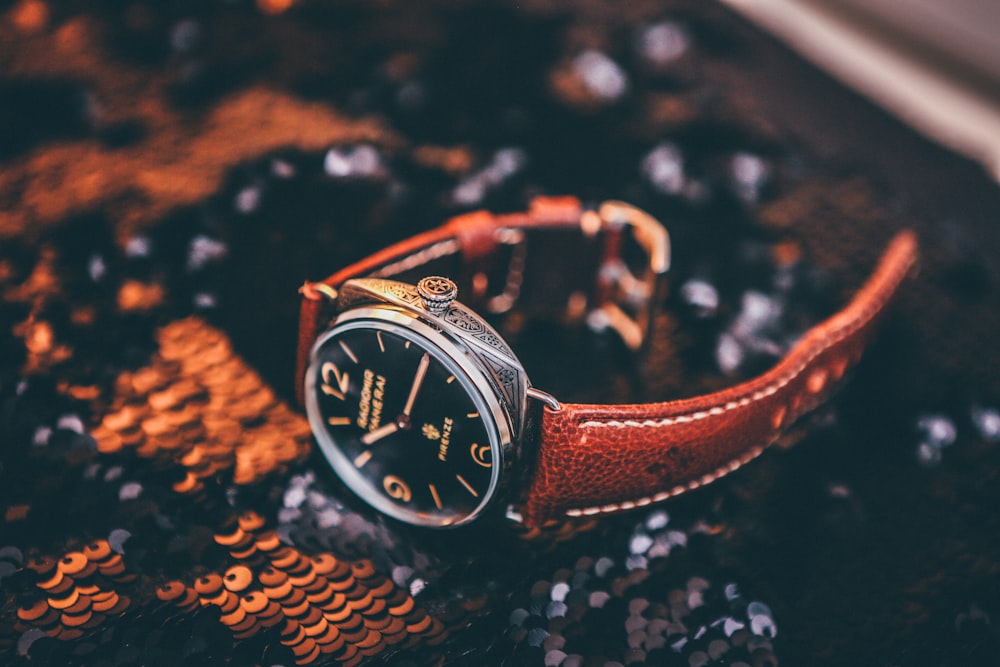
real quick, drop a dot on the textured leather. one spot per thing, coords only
(604, 458)
(593, 459)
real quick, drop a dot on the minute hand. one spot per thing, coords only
(417, 381)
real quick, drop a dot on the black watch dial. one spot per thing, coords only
(402, 423)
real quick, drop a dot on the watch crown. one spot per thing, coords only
(437, 293)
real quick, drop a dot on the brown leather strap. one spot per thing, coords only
(604, 458)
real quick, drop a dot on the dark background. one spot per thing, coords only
(168, 121)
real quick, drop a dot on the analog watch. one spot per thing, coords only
(423, 409)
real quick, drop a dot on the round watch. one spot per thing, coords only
(422, 408)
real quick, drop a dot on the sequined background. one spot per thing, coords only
(171, 172)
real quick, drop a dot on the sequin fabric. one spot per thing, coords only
(201, 406)
(170, 173)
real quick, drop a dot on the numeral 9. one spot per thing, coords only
(396, 488)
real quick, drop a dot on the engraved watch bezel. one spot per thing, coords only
(454, 349)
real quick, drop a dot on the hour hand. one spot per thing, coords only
(379, 433)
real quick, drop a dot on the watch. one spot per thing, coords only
(424, 411)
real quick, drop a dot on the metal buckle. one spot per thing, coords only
(626, 302)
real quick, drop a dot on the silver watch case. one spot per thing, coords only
(464, 340)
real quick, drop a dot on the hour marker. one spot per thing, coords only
(472, 415)
(435, 496)
(468, 487)
(330, 373)
(362, 458)
(451, 378)
(381, 344)
(338, 421)
(407, 345)
(330, 391)
(347, 351)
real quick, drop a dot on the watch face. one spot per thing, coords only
(403, 422)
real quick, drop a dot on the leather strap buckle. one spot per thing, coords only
(628, 298)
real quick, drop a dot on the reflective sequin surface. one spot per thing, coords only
(170, 173)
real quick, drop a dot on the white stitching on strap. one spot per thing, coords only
(505, 235)
(677, 490)
(509, 235)
(760, 394)
(515, 270)
(732, 405)
(419, 258)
